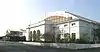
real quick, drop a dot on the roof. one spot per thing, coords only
(15, 30)
(62, 13)
(83, 18)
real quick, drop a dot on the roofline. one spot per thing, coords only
(82, 17)
(62, 23)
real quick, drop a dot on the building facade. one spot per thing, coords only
(68, 25)
(14, 35)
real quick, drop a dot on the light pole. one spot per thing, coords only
(29, 32)
(69, 26)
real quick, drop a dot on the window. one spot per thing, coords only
(69, 18)
(65, 25)
(67, 36)
(73, 36)
(73, 24)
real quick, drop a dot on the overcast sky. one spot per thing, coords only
(17, 14)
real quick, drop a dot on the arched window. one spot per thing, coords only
(38, 32)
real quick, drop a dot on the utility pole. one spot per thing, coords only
(68, 23)
(69, 26)
(29, 30)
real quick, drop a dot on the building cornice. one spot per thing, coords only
(81, 18)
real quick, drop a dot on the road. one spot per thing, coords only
(19, 47)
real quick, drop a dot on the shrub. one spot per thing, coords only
(82, 41)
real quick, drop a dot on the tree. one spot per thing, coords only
(7, 33)
(73, 37)
(49, 37)
(66, 37)
(83, 39)
(58, 37)
(45, 36)
(96, 34)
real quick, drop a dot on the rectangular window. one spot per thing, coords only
(69, 18)
(65, 25)
(73, 24)
(73, 36)
(67, 36)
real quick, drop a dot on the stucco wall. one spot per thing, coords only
(41, 28)
(48, 27)
(72, 29)
(87, 29)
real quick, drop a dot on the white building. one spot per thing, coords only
(67, 24)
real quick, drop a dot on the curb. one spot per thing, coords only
(64, 45)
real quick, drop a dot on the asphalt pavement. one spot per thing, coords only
(19, 47)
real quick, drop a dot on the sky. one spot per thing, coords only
(17, 14)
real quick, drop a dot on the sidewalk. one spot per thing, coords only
(64, 45)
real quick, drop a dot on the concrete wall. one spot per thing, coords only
(48, 27)
(37, 26)
(86, 28)
(73, 29)
(41, 28)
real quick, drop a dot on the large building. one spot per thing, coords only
(66, 24)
